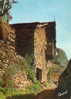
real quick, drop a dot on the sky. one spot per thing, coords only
(45, 11)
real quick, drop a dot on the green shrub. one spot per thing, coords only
(4, 92)
(30, 69)
(35, 88)
(1, 82)
(31, 74)
(2, 96)
(12, 70)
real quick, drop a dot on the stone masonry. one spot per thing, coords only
(38, 39)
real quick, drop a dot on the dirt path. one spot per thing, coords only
(47, 94)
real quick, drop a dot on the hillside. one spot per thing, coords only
(61, 57)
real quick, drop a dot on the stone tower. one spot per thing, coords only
(40, 43)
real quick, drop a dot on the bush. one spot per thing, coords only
(22, 65)
(5, 92)
(31, 74)
(13, 69)
(30, 68)
(2, 96)
(35, 88)
(1, 82)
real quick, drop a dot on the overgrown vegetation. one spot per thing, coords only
(9, 92)
(23, 65)
(26, 66)
(30, 69)
(61, 57)
(54, 72)
(35, 88)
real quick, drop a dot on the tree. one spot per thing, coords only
(5, 6)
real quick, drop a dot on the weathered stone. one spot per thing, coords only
(37, 39)
(21, 81)
(42, 48)
(39, 50)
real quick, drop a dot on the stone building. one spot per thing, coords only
(39, 40)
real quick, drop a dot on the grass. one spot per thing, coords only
(29, 92)
(9, 92)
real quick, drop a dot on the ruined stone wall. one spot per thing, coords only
(51, 39)
(39, 40)
(40, 44)
(7, 45)
(24, 38)
(5, 31)
(12, 65)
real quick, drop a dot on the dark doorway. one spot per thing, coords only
(39, 74)
(1, 35)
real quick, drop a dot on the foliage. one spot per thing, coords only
(9, 92)
(30, 68)
(35, 88)
(5, 92)
(12, 69)
(31, 74)
(61, 57)
(22, 65)
(30, 59)
(46, 84)
(55, 69)
(1, 82)
(2, 96)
